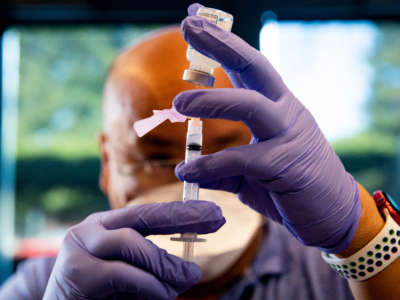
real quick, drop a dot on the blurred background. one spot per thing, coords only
(340, 58)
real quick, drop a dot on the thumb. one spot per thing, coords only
(166, 218)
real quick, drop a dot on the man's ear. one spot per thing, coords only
(104, 159)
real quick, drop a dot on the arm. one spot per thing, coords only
(288, 172)
(385, 285)
(29, 281)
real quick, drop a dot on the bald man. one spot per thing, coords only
(107, 255)
(146, 77)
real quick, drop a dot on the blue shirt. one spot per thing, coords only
(282, 269)
(285, 269)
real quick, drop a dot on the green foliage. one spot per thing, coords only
(64, 145)
(367, 142)
(62, 72)
(384, 106)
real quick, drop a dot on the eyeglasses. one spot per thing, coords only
(151, 165)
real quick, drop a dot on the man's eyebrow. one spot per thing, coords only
(155, 140)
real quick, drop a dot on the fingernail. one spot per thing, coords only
(192, 22)
(210, 209)
(179, 171)
(177, 103)
(212, 216)
(192, 9)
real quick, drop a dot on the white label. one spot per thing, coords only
(210, 17)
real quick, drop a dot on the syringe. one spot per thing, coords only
(194, 141)
(200, 72)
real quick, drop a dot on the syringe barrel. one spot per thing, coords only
(194, 140)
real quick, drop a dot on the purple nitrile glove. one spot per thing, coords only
(107, 257)
(289, 172)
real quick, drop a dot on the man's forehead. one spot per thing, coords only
(142, 80)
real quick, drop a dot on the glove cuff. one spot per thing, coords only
(350, 226)
(336, 231)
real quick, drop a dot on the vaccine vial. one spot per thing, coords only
(201, 67)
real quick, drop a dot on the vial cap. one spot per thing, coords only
(198, 77)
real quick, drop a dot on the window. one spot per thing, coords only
(347, 73)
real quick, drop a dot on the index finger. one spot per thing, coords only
(167, 218)
(235, 56)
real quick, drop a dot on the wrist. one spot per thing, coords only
(370, 224)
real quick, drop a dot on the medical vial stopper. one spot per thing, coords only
(201, 67)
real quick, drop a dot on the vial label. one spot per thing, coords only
(213, 18)
(210, 17)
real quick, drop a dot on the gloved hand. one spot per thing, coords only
(289, 172)
(107, 257)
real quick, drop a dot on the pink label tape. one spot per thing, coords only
(145, 125)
